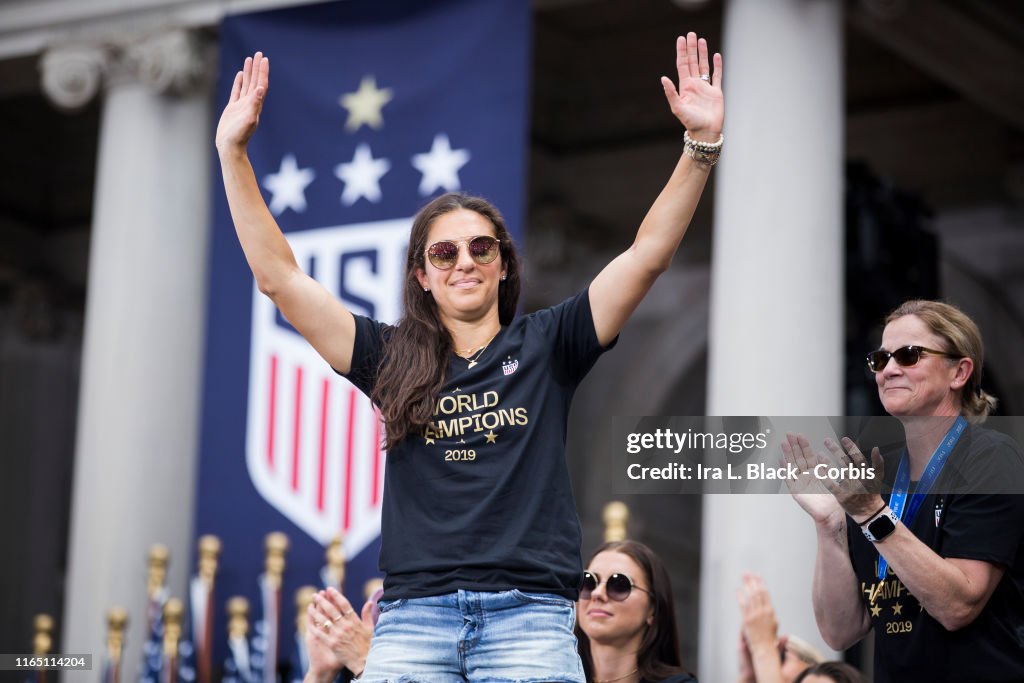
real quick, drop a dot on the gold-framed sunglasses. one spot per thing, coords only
(444, 254)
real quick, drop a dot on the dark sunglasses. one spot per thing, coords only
(445, 254)
(617, 587)
(905, 356)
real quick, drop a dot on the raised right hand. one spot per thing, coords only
(242, 114)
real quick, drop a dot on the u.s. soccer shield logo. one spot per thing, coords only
(313, 441)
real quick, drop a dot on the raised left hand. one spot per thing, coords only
(862, 496)
(698, 103)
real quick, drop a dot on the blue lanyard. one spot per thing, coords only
(931, 473)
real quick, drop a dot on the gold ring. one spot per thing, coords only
(327, 625)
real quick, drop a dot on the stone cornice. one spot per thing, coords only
(174, 61)
(30, 27)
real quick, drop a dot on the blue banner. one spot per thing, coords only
(373, 109)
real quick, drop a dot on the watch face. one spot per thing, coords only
(881, 527)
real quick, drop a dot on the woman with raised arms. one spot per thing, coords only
(480, 536)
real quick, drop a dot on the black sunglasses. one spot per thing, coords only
(445, 253)
(617, 587)
(906, 356)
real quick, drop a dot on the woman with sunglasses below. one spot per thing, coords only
(480, 537)
(936, 567)
(627, 623)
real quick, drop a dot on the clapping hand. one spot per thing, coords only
(859, 496)
(807, 489)
(336, 637)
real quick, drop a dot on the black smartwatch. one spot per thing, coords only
(880, 526)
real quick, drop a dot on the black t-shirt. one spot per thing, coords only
(482, 500)
(909, 644)
(678, 678)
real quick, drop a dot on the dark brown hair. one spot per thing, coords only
(963, 339)
(416, 355)
(658, 656)
(840, 672)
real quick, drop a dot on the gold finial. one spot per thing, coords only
(117, 623)
(238, 617)
(276, 545)
(371, 586)
(174, 610)
(209, 553)
(43, 639)
(336, 562)
(615, 516)
(303, 597)
(159, 558)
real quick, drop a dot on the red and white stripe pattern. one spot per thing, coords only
(313, 440)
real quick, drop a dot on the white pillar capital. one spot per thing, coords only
(72, 74)
(171, 61)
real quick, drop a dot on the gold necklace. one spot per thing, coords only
(474, 357)
(617, 678)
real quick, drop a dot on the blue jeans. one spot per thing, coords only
(482, 637)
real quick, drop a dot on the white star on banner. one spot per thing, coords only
(364, 105)
(288, 186)
(440, 166)
(362, 176)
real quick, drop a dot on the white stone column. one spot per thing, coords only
(776, 292)
(139, 404)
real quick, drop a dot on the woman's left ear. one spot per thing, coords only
(964, 370)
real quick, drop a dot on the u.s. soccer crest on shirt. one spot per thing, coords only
(373, 109)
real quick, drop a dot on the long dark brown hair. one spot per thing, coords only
(658, 656)
(416, 356)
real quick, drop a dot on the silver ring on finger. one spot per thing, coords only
(705, 77)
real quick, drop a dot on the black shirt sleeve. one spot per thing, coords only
(576, 347)
(367, 353)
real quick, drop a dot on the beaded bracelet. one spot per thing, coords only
(706, 153)
(705, 146)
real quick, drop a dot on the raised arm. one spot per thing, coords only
(319, 317)
(759, 631)
(698, 104)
